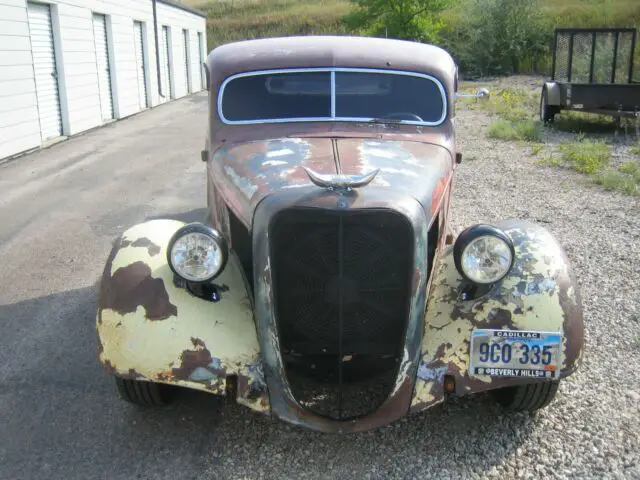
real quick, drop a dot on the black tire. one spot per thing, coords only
(146, 394)
(547, 112)
(527, 398)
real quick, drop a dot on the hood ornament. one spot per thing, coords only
(340, 181)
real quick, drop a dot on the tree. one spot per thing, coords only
(416, 20)
(497, 36)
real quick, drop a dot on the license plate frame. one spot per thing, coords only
(527, 345)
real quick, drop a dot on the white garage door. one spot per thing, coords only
(102, 61)
(141, 72)
(201, 54)
(165, 64)
(185, 49)
(44, 65)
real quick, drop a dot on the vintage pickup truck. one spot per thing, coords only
(325, 286)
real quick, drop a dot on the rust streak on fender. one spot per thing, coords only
(198, 357)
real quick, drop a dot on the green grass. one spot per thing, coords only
(594, 13)
(594, 159)
(586, 156)
(524, 130)
(632, 169)
(230, 20)
(616, 180)
(579, 122)
(636, 149)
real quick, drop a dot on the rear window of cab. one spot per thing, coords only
(279, 96)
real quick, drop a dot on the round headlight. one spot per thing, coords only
(197, 253)
(483, 254)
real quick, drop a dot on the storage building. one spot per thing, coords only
(70, 65)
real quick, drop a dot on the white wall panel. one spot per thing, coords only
(125, 65)
(80, 79)
(194, 50)
(141, 64)
(103, 65)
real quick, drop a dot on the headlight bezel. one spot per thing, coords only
(472, 233)
(201, 228)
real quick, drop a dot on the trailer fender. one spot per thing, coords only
(553, 93)
(152, 328)
(539, 294)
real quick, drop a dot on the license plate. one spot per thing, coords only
(515, 353)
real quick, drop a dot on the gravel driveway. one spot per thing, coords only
(59, 412)
(593, 427)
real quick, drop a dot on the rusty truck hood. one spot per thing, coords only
(245, 173)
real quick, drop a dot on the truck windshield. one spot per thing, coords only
(339, 94)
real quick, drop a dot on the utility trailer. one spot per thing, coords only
(593, 71)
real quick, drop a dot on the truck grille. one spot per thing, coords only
(342, 288)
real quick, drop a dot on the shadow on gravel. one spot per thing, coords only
(195, 215)
(62, 419)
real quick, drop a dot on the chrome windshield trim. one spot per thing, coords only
(332, 117)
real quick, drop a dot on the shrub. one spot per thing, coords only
(405, 19)
(586, 156)
(490, 37)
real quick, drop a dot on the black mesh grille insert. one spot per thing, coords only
(342, 284)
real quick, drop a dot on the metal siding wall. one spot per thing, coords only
(80, 80)
(44, 66)
(165, 63)
(79, 95)
(102, 62)
(180, 20)
(186, 60)
(199, 78)
(19, 124)
(141, 75)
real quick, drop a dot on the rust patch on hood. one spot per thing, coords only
(133, 286)
(253, 170)
(420, 170)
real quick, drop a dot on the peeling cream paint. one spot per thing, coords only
(449, 321)
(154, 349)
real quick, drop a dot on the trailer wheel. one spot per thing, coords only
(547, 112)
(146, 394)
(527, 398)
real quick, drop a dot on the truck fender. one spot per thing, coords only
(553, 93)
(540, 293)
(152, 328)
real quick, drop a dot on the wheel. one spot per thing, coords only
(146, 394)
(547, 112)
(527, 398)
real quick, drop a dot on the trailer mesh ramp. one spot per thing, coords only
(595, 56)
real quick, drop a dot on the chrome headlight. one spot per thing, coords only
(483, 254)
(197, 252)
